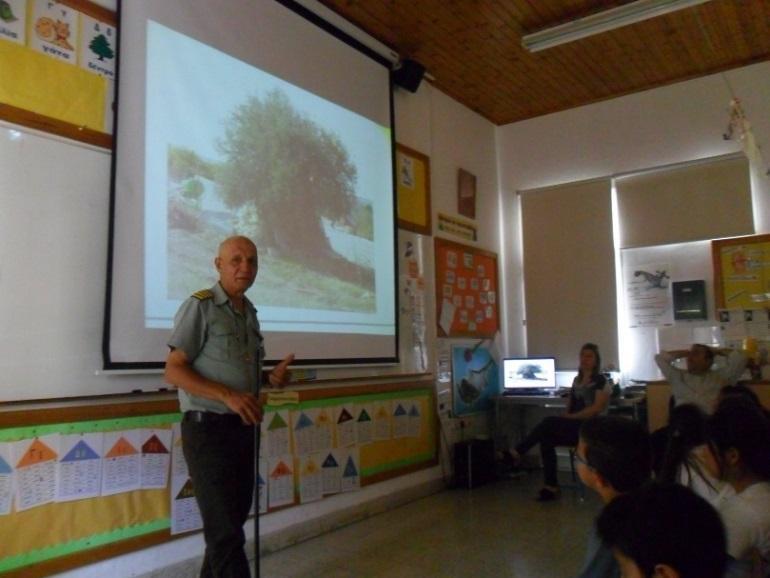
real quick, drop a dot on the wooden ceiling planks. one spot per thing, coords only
(472, 48)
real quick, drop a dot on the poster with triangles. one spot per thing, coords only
(381, 414)
(351, 471)
(54, 30)
(156, 455)
(303, 430)
(400, 418)
(364, 423)
(13, 18)
(310, 478)
(278, 435)
(324, 429)
(6, 479)
(262, 487)
(345, 422)
(97, 46)
(332, 472)
(280, 483)
(35, 464)
(185, 515)
(79, 471)
(121, 465)
(415, 418)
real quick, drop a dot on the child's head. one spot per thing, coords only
(664, 531)
(687, 430)
(613, 454)
(739, 437)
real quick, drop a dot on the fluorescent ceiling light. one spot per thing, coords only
(603, 21)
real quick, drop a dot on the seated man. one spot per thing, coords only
(613, 456)
(699, 384)
(664, 531)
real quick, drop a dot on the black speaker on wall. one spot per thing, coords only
(409, 75)
(689, 299)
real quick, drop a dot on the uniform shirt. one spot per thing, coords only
(584, 396)
(746, 517)
(221, 344)
(700, 389)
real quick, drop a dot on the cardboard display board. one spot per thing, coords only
(467, 296)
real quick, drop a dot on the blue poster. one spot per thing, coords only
(475, 379)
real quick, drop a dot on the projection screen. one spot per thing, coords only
(252, 117)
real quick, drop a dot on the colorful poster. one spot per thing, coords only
(648, 295)
(304, 431)
(6, 479)
(351, 471)
(332, 472)
(97, 47)
(79, 472)
(475, 379)
(346, 425)
(310, 478)
(185, 515)
(13, 17)
(324, 429)
(54, 30)
(364, 423)
(121, 468)
(400, 419)
(415, 419)
(280, 490)
(155, 457)
(35, 461)
(381, 411)
(278, 436)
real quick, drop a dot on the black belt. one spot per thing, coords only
(212, 417)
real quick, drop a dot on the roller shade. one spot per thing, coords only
(696, 202)
(569, 271)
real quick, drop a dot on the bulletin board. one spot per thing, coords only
(467, 296)
(57, 536)
(61, 56)
(742, 272)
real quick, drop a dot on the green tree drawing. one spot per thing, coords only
(101, 47)
(281, 168)
(185, 164)
(193, 190)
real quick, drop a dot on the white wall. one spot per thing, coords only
(672, 124)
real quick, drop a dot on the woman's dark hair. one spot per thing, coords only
(730, 391)
(686, 431)
(666, 524)
(738, 423)
(598, 365)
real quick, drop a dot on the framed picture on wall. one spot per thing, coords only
(739, 266)
(413, 190)
(466, 193)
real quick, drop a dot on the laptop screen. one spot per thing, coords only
(529, 373)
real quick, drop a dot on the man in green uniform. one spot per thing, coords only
(216, 363)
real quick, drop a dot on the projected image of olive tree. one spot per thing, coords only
(289, 184)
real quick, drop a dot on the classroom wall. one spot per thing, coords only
(673, 124)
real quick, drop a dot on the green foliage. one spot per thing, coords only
(185, 164)
(193, 190)
(363, 219)
(101, 47)
(281, 163)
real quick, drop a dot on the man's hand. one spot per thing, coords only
(246, 405)
(281, 374)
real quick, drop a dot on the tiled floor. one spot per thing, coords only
(492, 531)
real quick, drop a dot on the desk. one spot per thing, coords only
(522, 403)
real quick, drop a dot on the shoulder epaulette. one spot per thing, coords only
(203, 294)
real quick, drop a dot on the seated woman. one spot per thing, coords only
(687, 453)
(589, 396)
(739, 439)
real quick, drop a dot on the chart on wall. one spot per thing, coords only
(466, 290)
(742, 272)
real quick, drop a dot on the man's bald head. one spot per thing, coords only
(237, 265)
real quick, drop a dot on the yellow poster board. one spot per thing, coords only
(742, 272)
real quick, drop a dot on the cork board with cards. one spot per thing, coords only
(467, 298)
